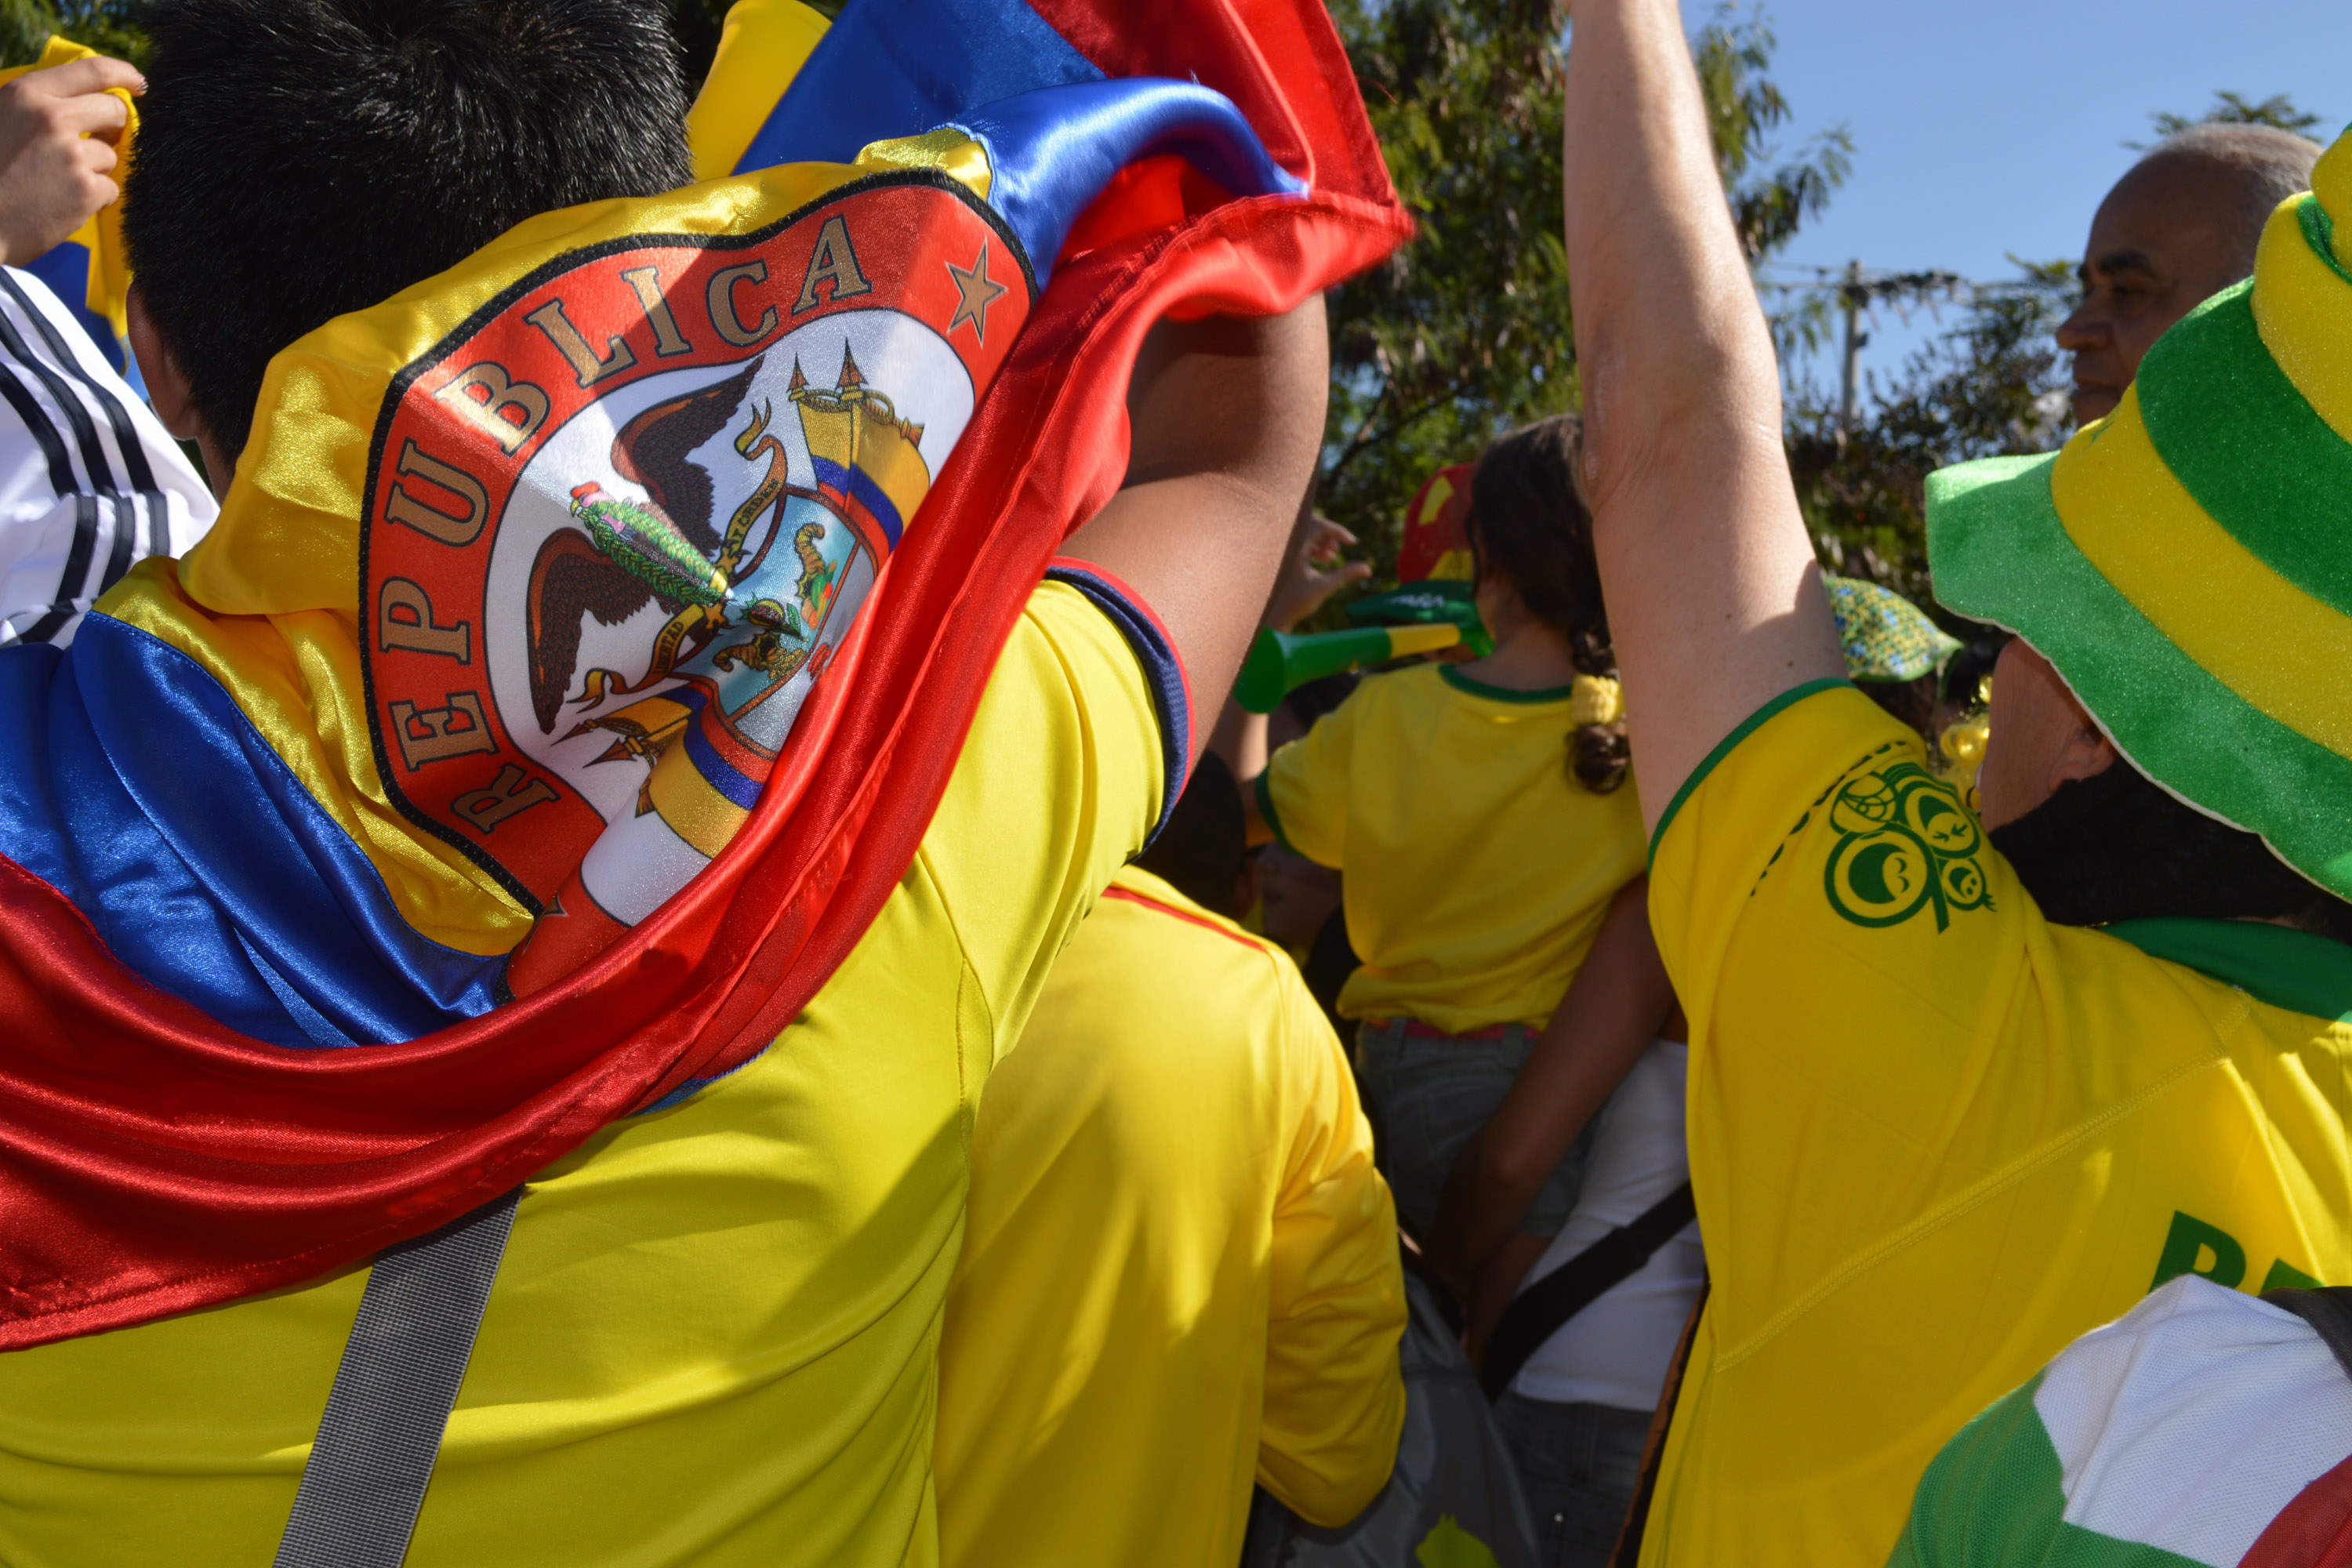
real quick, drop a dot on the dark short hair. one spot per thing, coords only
(1530, 526)
(299, 160)
(1201, 851)
(2116, 847)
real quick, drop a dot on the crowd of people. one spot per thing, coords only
(617, 954)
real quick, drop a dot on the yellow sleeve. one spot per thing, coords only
(1859, 968)
(1058, 785)
(1334, 1396)
(1304, 791)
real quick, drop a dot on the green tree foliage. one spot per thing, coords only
(2230, 109)
(1465, 332)
(1992, 385)
(110, 26)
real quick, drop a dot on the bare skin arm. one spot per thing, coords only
(1227, 418)
(1617, 1004)
(1714, 597)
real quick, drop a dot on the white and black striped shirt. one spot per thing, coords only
(89, 481)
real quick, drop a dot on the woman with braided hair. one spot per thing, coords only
(1480, 813)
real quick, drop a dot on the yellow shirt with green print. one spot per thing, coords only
(1934, 1137)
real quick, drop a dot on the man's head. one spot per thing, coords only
(299, 160)
(2179, 228)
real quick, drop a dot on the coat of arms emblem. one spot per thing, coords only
(604, 580)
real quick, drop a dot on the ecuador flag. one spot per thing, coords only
(491, 772)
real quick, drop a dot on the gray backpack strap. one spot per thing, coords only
(392, 1394)
(2328, 1309)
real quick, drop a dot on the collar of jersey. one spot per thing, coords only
(2291, 969)
(1461, 682)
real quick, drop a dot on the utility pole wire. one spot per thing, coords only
(1856, 295)
(1859, 287)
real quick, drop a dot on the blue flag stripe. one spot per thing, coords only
(898, 67)
(151, 802)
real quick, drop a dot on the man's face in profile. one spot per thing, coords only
(2173, 232)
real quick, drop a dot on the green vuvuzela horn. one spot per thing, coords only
(1281, 662)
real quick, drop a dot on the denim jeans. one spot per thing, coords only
(1579, 1465)
(1428, 1095)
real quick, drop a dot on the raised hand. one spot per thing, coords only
(57, 134)
(1308, 578)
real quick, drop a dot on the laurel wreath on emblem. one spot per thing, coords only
(1905, 843)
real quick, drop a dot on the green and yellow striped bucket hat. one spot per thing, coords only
(2186, 563)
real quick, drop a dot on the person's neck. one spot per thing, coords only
(1529, 657)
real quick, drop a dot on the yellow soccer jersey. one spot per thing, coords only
(1180, 1268)
(1935, 1138)
(1478, 870)
(712, 1338)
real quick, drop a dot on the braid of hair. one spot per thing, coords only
(1599, 753)
(1529, 524)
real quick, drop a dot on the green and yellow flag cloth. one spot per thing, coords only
(1884, 635)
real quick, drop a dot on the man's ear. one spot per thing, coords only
(168, 391)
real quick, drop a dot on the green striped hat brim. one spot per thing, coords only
(1999, 552)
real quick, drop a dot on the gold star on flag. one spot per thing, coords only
(975, 290)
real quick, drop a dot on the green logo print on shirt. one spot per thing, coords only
(1905, 843)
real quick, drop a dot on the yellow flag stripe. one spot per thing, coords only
(297, 677)
(947, 150)
(692, 807)
(761, 49)
(2277, 647)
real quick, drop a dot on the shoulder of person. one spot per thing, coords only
(1156, 898)
(2203, 1424)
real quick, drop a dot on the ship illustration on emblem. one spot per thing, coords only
(750, 604)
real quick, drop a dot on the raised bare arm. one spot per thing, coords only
(1714, 601)
(1227, 418)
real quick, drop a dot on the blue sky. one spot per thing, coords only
(1988, 127)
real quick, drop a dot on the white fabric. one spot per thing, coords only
(2192, 1421)
(1616, 1351)
(89, 481)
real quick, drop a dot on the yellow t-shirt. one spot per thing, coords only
(1934, 1138)
(712, 1338)
(1478, 870)
(1180, 1268)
